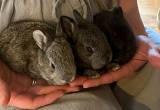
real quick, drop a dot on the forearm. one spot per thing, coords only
(131, 12)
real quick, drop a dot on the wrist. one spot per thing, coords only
(141, 56)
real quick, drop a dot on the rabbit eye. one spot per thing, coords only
(89, 49)
(52, 65)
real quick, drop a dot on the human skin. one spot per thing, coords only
(154, 57)
(153, 53)
(16, 87)
(131, 12)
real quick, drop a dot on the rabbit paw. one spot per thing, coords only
(91, 74)
(113, 66)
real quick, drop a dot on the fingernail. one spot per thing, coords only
(61, 93)
(72, 84)
(86, 86)
(89, 86)
(76, 90)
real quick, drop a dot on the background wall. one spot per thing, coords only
(148, 10)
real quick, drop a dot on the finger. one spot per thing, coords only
(78, 81)
(47, 99)
(106, 78)
(4, 93)
(92, 83)
(72, 89)
(27, 101)
(155, 61)
(40, 90)
(125, 71)
(26, 81)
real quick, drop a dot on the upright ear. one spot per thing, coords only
(118, 11)
(78, 17)
(59, 31)
(40, 38)
(68, 25)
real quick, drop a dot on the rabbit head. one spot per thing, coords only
(55, 58)
(90, 44)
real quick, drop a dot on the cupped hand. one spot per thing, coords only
(108, 77)
(126, 70)
(17, 90)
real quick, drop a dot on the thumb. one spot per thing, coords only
(4, 93)
(154, 52)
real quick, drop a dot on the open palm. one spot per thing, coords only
(16, 90)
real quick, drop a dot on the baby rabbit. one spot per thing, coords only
(35, 48)
(91, 48)
(119, 34)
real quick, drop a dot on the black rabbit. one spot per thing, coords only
(119, 34)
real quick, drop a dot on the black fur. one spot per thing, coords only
(119, 34)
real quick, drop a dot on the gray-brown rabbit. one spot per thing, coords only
(35, 48)
(92, 51)
(119, 34)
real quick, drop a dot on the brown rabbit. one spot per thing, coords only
(35, 48)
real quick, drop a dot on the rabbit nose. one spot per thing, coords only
(69, 78)
(99, 64)
(65, 80)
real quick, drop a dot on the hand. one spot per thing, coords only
(125, 71)
(109, 77)
(153, 53)
(17, 90)
(154, 57)
(106, 78)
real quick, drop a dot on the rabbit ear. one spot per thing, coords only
(78, 17)
(40, 38)
(68, 25)
(59, 30)
(118, 11)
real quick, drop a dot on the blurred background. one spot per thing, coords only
(148, 11)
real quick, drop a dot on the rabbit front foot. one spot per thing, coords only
(91, 74)
(113, 66)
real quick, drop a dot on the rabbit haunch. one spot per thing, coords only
(35, 48)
